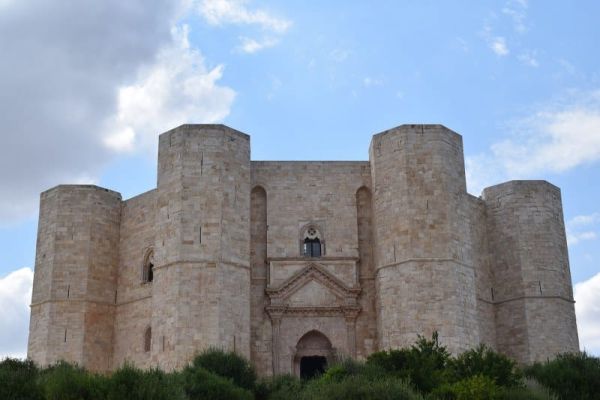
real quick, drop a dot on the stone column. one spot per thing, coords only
(275, 314)
(350, 316)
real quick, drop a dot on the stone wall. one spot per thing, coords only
(476, 216)
(201, 293)
(76, 276)
(300, 193)
(535, 315)
(134, 295)
(425, 279)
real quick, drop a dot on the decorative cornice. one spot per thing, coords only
(276, 312)
(313, 259)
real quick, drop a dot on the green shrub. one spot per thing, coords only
(424, 364)
(228, 365)
(360, 388)
(391, 360)
(570, 376)
(475, 387)
(64, 381)
(348, 367)
(131, 383)
(485, 362)
(284, 387)
(201, 384)
(531, 391)
(18, 380)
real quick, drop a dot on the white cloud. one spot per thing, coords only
(498, 46)
(79, 82)
(574, 226)
(370, 81)
(583, 220)
(587, 307)
(529, 59)
(176, 89)
(62, 65)
(15, 297)
(236, 12)
(221, 12)
(553, 141)
(249, 45)
(555, 138)
(517, 11)
(574, 238)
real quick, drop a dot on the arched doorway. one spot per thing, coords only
(313, 353)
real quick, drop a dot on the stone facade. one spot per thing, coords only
(284, 262)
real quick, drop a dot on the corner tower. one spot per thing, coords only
(533, 294)
(425, 279)
(74, 288)
(201, 289)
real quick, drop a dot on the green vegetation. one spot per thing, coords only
(425, 371)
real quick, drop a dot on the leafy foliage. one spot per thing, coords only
(360, 387)
(200, 384)
(64, 381)
(475, 387)
(129, 382)
(424, 364)
(18, 380)
(424, 371)
(482, 361)
(570, 376)
(228, 365)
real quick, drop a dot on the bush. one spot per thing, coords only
(64, 381)
(532, 391)
(570, 376)
(360, 388)
(132, 383)
(228, 365)
(348, 368)
(475, 387)
(201, 384)
(18, 380)
(424, 364)
(485, 362)
(284, 387)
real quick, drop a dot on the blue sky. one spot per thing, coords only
(88, 88)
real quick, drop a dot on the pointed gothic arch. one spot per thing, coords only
(148, 266)
(314, 353)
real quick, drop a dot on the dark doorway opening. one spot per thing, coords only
(312, 366)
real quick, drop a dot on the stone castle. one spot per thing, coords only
(292, 263)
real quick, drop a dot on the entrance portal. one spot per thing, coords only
(312, 366)
(313, 353)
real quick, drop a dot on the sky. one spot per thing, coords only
(86, 87)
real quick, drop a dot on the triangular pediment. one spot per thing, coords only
(316, 282)
(313, 293)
